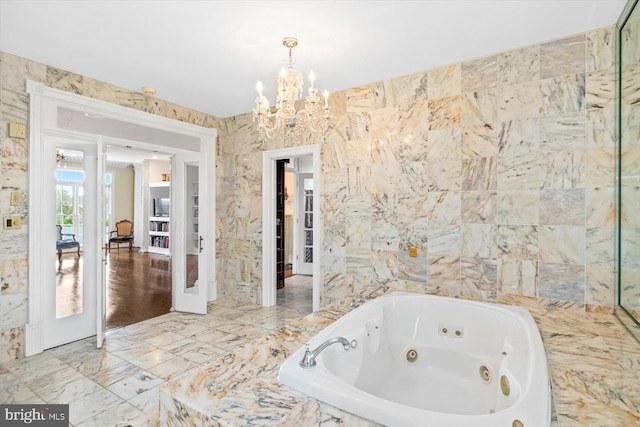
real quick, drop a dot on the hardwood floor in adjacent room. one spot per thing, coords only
(138, 286)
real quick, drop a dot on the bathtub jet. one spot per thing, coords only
(425, 360)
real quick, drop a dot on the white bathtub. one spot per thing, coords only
(463, 350)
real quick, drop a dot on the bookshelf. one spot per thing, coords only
(159, 222)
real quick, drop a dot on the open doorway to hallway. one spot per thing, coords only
(270, 160)
(294, 233)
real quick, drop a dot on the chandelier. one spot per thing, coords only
(283, 116)
(59, 156)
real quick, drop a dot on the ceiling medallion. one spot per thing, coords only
(283, 116)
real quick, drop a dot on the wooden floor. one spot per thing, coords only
(138, 286)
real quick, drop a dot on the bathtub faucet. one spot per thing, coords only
(309, 358)
(384, 288)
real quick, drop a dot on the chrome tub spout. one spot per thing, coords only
(384, 288)
(309, 358)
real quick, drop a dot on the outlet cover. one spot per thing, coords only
(11, 223)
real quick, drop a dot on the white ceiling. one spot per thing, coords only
(208, 55)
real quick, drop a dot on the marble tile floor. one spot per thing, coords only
(119, 384)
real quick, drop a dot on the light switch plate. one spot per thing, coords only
(17, 130)
(413, 251)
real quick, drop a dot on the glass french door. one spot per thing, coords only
(188, 206)
(69, 244)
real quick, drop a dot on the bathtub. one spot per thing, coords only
(424, 360)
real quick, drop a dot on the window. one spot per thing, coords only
(70, 201)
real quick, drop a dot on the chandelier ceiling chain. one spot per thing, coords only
(284, 116)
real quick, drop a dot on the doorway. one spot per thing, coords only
(138, 277)
(269, 211)
(67, 117)
(294, 234)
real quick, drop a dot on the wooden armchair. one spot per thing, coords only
(63, 242)
(122, 234)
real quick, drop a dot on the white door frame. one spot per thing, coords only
(101, 238)
(41, 100)
(269, 159)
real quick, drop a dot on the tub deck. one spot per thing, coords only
(592, 359)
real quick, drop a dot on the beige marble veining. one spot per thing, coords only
(518, 241)
(599, 250)
(519, 66)
(562, 207)
(406, 90)
(518, 207)
(519, 101)
(601, 284)
(563, 94)
(518, 277)
(562, 132)
(479, 74)
(479, 278)
(600, 52)
(561, 281)
(444, 82)
(561, 244)
(599, 162)
(481, 141)
(444, 112)
(518, 172)
(479, 206)
(562, 57)
(472, 236)
(479, 173)
(562, 169)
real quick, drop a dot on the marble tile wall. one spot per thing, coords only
(499, 169)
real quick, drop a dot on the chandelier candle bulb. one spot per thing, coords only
(283, 76)
(326, 99)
